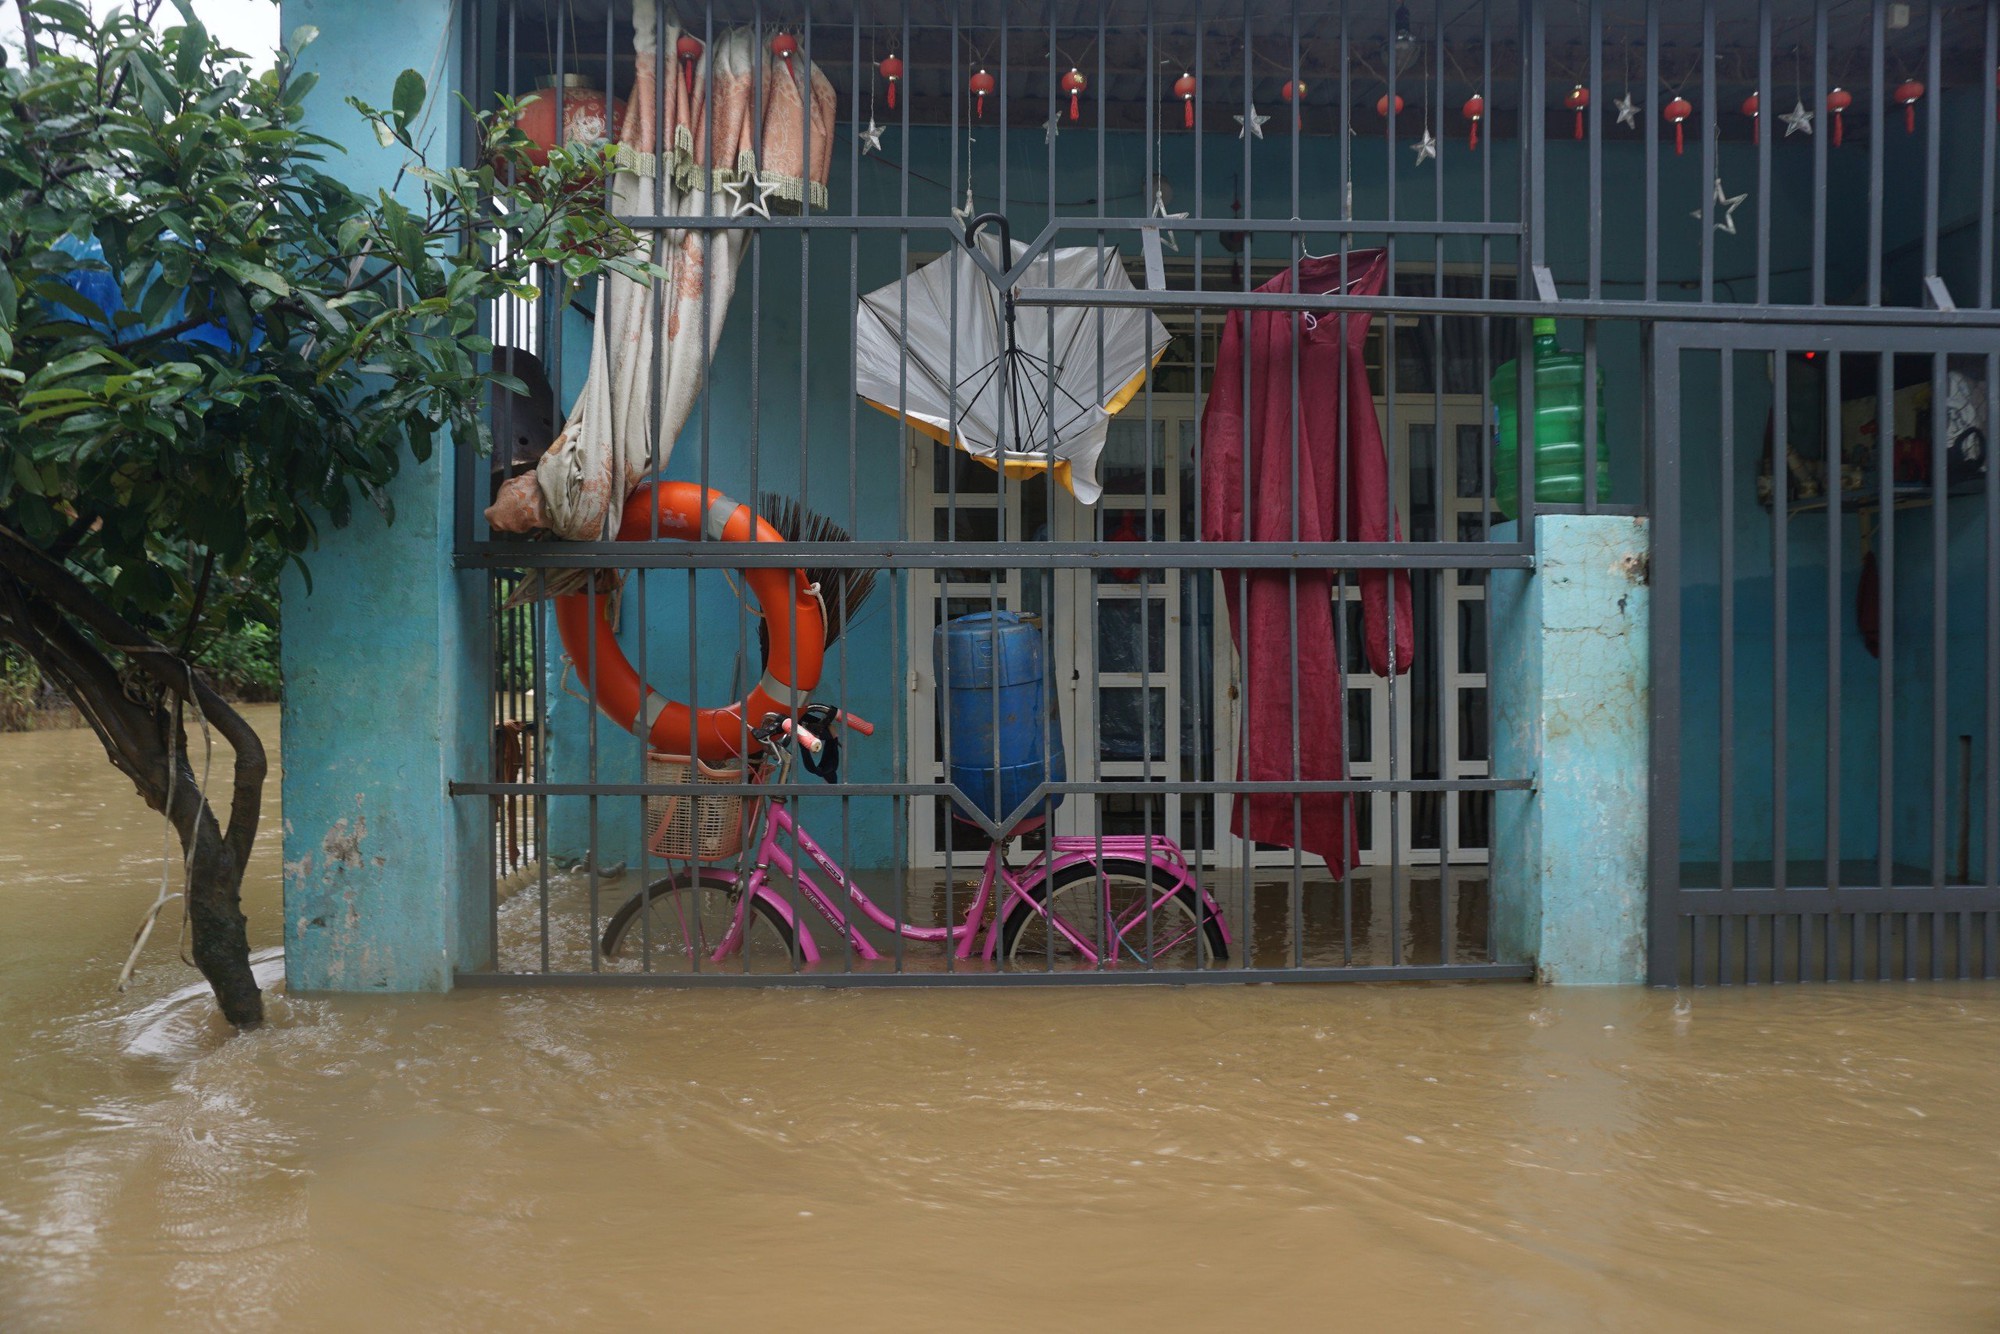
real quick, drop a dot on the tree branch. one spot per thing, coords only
(173, 674)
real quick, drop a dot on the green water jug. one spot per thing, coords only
(1558, 428)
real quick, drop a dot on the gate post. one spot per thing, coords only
(385, 653)
(1571, 707)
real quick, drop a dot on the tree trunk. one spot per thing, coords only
(46, 610)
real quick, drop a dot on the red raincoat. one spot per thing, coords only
(1329, 489)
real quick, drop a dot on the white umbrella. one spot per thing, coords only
(948, 352)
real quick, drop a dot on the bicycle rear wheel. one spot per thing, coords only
(1184, 932)
(685, 921)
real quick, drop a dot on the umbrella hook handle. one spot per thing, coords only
(972, 230)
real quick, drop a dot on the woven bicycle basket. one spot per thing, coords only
(687, 826)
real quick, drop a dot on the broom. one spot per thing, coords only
(841, 589)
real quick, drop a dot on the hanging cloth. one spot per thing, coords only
(1328, 486)
(612, 440)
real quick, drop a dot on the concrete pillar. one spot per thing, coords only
(1569, 686)
(385, 648)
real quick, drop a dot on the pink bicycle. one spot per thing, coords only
(1085, 902)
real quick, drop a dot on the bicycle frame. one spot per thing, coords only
(1014, 887)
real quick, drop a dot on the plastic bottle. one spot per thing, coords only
(1558, 460)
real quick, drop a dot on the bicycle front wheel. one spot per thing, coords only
(678, 924)
(1139, 915)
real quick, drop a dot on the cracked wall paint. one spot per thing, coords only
(1570, 690)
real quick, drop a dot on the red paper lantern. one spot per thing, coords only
(1074, 83)
(783, 45)
(1907, 93)
(1474, 110)
(688, 48)
(1837, 102)
(1752, 106)
(1184, 90)
(892, 73)
(1677, 112)
(585, 118)
(1289, 92)
(1382, 106)
(982, 84)
(1576, 100)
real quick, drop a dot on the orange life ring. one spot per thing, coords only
(790, 607)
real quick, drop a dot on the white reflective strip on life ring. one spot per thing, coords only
(656, 704)
(783, 694)
(720, 511)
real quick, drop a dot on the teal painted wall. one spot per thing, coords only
(384, 673)
(1571, 701)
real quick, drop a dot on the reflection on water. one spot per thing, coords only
(1218, 1158)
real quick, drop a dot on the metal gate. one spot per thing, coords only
(1210, 146)
(1826, 678)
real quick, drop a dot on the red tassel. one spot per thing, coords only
(1075, 112)
(1909, 118)
(979, 107)
(1838, 121)
(1187, 112)
(1678, 144)
(1579, 126)
(892, 94)
(1756, 130)
(1473, 142)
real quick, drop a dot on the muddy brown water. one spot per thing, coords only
(1215, 1158)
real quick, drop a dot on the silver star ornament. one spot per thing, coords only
(1728, 204)
(1426, 147)
(1797, 121)
(741, 190)
(1628, 111)
(871, 138)
(1253, 128)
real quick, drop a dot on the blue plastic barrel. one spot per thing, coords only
(995, 711)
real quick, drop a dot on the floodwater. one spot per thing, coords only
(1216, 1158)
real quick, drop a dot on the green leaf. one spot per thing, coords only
(408, 98)
(243, 271)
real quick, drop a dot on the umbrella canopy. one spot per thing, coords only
(937, 351)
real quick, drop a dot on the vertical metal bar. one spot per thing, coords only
(1835, 621)
(1295, 891)
(1663, 934)
(1991, 671)
(1346, 805)
(1710, 124)
(1595, 172)
(1989, 114)
(1876, 97)
(1442, 598)
(1819, 209)
(1726, 654)
(1885, 700)
(1781, 616)
(1767, 125)
(1652, 247)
